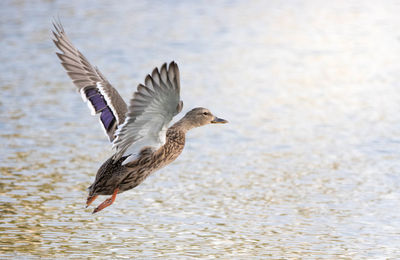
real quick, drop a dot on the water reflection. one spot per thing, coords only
(307, 167)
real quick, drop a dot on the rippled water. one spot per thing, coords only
(307, 168)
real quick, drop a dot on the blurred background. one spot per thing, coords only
(308, 166)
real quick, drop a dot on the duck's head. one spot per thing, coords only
(201, 116)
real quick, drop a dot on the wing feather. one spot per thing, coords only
(104, 100)
(151, 108)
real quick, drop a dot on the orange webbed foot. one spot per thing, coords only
(107, 202)
(89, 200)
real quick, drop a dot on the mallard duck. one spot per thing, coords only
(139, 132)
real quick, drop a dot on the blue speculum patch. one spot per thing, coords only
(107, 118)
(100, 105)
(96, 99)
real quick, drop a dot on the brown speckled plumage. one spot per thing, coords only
(139, 132)
(125, 177)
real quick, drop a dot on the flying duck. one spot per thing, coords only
(139, 132)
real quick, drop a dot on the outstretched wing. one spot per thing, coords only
(95, 89)
(152, 107)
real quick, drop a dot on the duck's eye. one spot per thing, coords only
(206, 113)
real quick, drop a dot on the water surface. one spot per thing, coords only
(308, 166)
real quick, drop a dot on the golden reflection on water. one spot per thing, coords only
(307, 168)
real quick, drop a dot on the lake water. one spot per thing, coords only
(308, 167)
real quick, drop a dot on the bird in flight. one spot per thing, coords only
(139, 131)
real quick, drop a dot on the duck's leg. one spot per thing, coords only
(90, 199)
(107, 202)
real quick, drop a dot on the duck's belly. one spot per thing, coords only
(135, 177)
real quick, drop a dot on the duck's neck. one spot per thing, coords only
(182, 125)
(175, 141)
